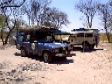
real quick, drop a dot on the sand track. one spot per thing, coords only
(85, 68)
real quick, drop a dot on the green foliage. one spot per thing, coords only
(2, 21)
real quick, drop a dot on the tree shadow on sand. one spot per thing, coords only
(88, 50)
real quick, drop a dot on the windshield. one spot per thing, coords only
(46, 39)
(49, 38)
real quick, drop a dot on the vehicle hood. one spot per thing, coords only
(55, 45)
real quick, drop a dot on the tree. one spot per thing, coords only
(88, 8)
(34, 9)
(38, 7)
(9, 9)
(26, 8)
(105, 13)
(109, 24)
(52, 17)
(110, 3)
(40, 14)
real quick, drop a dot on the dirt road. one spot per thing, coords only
(85, 68)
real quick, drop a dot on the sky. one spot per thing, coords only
(74, 16)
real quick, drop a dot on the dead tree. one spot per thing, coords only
(104, 10)
(5, 7)
(88, 8)
(54, 18)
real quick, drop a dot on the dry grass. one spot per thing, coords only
(103, 38)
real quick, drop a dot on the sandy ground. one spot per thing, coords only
(85, 68)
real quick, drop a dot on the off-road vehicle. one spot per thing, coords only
(42, 43)
(86, 38)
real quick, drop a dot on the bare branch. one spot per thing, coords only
(14, 5)
(88, 8)
(5, 2)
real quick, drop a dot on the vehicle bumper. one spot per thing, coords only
(63, 55)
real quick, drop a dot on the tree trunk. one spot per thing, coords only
(6, 39)
(107, 33)
(8, 35)
(89, 21)
(2, 38)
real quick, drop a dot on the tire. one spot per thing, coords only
(86, 46)
(23, 52)
(47, 57)
(64, 58)
(92, 47)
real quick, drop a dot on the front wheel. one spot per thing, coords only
(23, 52)
(64, 58)
(47, 57)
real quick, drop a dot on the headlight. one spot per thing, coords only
(33, 46)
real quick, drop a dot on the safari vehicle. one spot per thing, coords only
(41, 42)
(86, 38)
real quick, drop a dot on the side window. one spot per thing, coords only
(80, 35)
(20, 38)
(88, 35)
